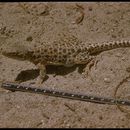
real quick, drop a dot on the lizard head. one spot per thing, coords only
(15, 51)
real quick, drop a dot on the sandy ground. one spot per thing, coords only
(32, 23)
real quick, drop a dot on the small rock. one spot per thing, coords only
(68, 125)
(118, 54)
(73, 22)
(112, 30)
(107, 80)
(42, 121)
(17, 106)
(123, 58)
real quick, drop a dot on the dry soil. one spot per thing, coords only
(33, 23)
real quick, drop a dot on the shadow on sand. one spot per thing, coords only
(57, 70)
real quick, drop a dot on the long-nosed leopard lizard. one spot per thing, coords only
(67, 52)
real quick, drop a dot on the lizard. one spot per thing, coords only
(67, 52)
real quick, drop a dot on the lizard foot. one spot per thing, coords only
(87, 69)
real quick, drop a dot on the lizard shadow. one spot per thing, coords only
(56, 70)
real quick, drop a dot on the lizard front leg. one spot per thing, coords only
(42, 73)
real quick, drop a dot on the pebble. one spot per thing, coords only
(42, 121)
(107, 80)
(123, 58)
(67, 125)
(17, 106)
(118, 55)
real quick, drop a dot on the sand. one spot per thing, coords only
(33, 23)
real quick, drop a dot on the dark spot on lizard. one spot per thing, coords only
(45, 50)
(72, 50)
(64, 56)
(55, 49)
(64, 50)
(79, 50)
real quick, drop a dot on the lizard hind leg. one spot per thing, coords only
(42, 73)
(85, 58)
(92, 62)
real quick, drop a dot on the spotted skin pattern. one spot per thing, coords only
(60, 54)
(68, 51)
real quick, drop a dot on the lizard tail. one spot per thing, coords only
(108, 46)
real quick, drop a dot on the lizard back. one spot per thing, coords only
(61, 52)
